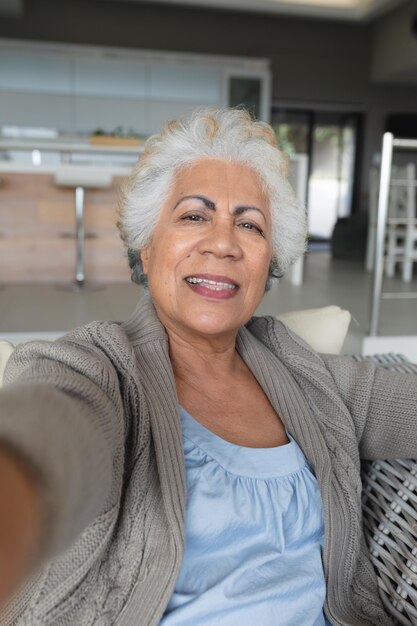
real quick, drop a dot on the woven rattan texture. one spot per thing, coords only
(390, 520)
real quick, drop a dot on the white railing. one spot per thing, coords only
(388, 144)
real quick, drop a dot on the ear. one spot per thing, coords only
(144, 257)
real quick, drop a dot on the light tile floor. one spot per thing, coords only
(33, 308)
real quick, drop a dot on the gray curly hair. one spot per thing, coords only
(226, 134)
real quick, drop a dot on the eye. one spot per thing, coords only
(250, 226)
(192, 217)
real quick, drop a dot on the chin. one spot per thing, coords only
(213, 324)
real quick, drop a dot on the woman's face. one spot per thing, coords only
(208, 260)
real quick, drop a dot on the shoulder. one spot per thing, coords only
(101, 336)
(98, 350)
(300, 357)
(276, 335)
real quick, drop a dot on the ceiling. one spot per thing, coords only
(355, 10)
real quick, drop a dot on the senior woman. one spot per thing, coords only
(195, 465)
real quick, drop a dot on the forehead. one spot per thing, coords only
(215, 176)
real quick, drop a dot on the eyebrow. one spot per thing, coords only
(239, 210)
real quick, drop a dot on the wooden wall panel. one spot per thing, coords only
(37, 227)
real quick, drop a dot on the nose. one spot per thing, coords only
(221, 240)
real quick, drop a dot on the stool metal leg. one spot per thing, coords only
(383, 199)
(79, 218)
(80, 284)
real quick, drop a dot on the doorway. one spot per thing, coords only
(332, 142)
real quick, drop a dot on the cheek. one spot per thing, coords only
(176, 249)
(167, 257)
(261, 273)
(262, 262)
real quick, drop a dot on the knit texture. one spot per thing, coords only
(96, 414)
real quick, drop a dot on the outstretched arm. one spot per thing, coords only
(21, 522)
(383, 405)
(61, 411)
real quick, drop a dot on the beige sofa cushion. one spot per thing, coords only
(325, 328)
(6, 348)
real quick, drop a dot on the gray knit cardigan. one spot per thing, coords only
(96, 416)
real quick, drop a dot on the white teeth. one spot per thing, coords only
(211, 284)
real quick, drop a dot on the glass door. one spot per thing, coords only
(330, 190)
(330, 139)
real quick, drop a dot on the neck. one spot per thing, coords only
(195, 357)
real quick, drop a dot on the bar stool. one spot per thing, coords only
(401, 228)
(80, 179)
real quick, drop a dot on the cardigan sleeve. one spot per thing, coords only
(383, 405)
(61, 411)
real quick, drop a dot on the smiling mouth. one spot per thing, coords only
(214, 285)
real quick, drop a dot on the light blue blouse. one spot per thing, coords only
(254, 533)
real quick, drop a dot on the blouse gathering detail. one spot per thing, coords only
(254, 535)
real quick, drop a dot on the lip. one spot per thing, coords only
(207, 292)
(216, 277)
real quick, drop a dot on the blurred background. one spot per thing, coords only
(84, 82)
